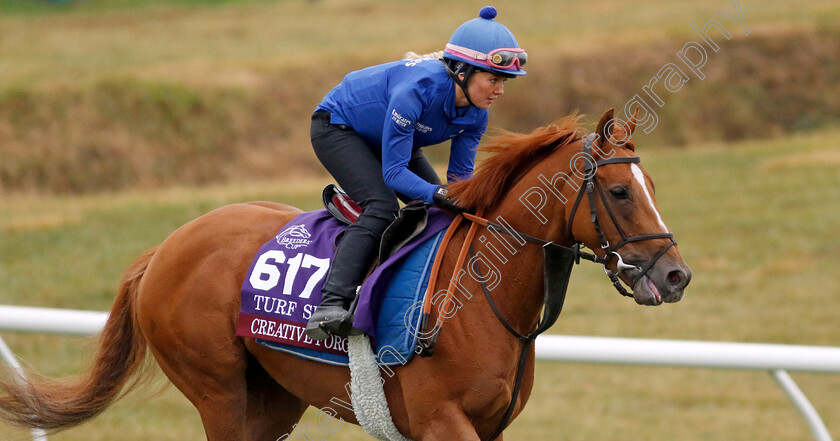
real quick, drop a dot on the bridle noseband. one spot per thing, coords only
(590, 186)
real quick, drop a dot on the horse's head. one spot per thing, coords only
(556, 182)
(625, 224)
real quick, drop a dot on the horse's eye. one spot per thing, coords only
(619, 192)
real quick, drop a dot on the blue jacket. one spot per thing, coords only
(405, 105)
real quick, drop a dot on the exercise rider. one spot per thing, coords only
(368, 131)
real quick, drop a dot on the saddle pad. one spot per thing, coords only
(398, 319)
(283, 287)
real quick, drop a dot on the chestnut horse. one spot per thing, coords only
(181, 300)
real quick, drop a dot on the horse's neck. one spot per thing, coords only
(515, 266)
(537, 204)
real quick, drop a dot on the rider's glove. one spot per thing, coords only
(442, 200)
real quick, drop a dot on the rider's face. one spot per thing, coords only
(484, 88)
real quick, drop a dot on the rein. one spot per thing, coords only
(557, 266)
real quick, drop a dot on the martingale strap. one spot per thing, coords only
(558, 262)
(557, 271)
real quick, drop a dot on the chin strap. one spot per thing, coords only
(467, 71)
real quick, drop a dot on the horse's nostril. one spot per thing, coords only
(676, 278)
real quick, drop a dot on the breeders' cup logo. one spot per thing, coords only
(294, 237)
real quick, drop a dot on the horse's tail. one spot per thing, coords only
(53, 404)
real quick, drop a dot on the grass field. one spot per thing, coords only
(232, 41)
(138, 94)
(756, 221)
(125, 95)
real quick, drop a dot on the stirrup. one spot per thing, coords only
(337, 324)
(341, 324)
(322, 330)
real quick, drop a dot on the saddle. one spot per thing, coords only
(410, 222)
(340, 205)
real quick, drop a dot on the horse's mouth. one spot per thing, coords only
(646, 292)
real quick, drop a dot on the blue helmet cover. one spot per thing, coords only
(483, 34)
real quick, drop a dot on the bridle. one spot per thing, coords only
(590, 187)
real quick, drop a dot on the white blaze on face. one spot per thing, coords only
(640, 178)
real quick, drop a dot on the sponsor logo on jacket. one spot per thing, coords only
(405, 122)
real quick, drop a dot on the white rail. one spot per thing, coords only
(776, 359)
(697, 354)
(51, 321)
(9, 357)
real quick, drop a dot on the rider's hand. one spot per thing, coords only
(441, 199)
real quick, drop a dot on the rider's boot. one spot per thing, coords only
(332, 316)
(350, 264)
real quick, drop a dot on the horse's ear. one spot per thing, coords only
(631, 125)
(602, 125)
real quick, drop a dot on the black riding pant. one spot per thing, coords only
(357, 169)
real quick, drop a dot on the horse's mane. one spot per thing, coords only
(513, 154)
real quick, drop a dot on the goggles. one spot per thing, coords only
(503, 58)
